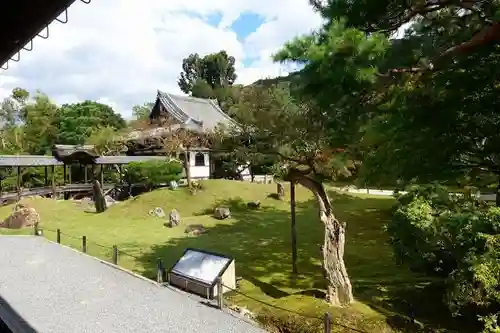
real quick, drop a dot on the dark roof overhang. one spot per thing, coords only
(23, 20)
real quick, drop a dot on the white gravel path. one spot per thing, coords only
(58, 290)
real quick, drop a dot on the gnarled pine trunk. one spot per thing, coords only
(339, 289)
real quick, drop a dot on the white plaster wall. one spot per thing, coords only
(199, 171)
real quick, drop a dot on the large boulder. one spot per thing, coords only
(21, 217)
(222, 213)
(174, 218)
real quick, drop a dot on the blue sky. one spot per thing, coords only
(120, 52)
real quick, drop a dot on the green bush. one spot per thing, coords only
(153, 172)
(456, 238)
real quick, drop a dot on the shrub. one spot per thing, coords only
(153, 172)
(456, 238)
(281, 323)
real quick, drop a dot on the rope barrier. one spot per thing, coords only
(133, 256)
(71, 236)
(292, 311)
(107, 247)
(229, 288)
(272, 305)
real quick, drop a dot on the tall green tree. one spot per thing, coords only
(11, 108)
(141, 112)
(209, 76)
(40, 132)
(296, 134)
(76, 122)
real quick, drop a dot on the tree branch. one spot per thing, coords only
(317, 188)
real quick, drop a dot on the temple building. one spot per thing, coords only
(185, 112)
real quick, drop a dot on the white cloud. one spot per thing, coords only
(121, 51)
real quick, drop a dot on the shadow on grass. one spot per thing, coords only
(259, 240)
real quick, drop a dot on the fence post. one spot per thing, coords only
(220, 293)
(84, 244)
(115, 255)
(59, 236)
(159, 270)
(328, 323)
(36, 229)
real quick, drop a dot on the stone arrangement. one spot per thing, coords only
(22, 217)
(222, 213)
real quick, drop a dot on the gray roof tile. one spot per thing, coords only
(126, 159)
(204, 112)
(27, 160)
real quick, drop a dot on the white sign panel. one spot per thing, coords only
(200, 265)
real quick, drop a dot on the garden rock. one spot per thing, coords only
(222, 213)
(21, 217)
(158, 212)
(280, 190)
(98, 196)
(109, 200)
(195, 229)
(174, 218)
(86, 202)
(173, 185)
(253, 204)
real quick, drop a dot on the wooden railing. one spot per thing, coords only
(47, 190)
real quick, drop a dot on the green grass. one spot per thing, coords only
(259, 240)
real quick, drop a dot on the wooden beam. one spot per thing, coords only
(53, 181)
(18, 184)
(64, 174)
(102, 175)
(293, 228)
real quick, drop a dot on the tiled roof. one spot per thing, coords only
(39, 160)
(126, 159)
(27, 160)
(203, 112)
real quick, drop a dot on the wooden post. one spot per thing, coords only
(115, 255)
(92, 172)
(102, 175)
(86, 179)
(64, 174)
(293, 228)
(328, 323)
(159, 270)
(69, 174)
(58, 236)
(53, 181)
(46, 176)
(84, 244)
(220, 293)
(1, 190)
(120, 174)
(18, 183)
(36, 229)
